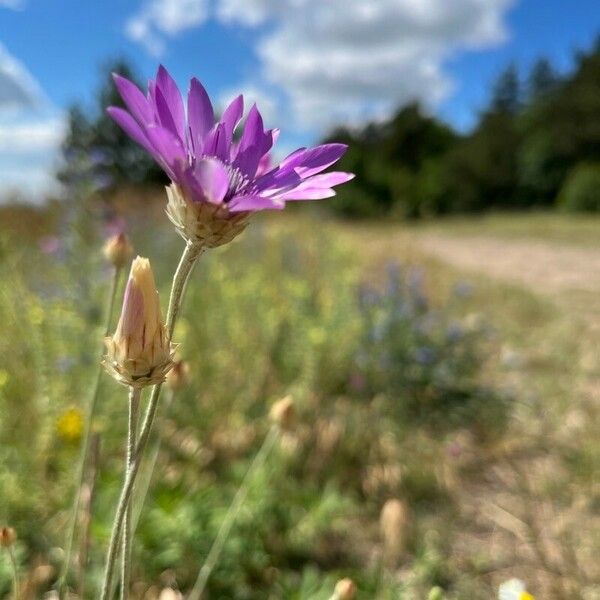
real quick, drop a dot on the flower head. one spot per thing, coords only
(118, 250)
(139, 353)
(514, 589)
(220, 178)
(70, 424)
(8, 536)
(345, 589)
(283, 413)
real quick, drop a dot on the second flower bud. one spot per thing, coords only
(140, 352)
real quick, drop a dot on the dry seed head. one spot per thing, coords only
(178, 376)
(118, 250)
(283, 413)
(140, 352)
(345, 589)
(202, 223)
(394, 520)
(8, 536)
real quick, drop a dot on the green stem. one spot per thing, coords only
(134, 405)
(86, 443)
(232, 513)
(146, 478)
(15, 572)
(184, 269)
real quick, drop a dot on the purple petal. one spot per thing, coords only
(231, 117)
(327, 180)
(247, 161)
(318, 186)
(169, 149)
(277, 180)
(264, 164)
(308, 194)
(209, 180)
(251, 203)
(268, 139)
(134, 99)
(314, 160)
(201, 117)
(170, 92)
(253, 130)
(275, 135)
(131, 127)
(215, 143)
(165, 117)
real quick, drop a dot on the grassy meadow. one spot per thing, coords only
(465, 397)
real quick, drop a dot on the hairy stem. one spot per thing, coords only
(88, 495)
(146, 478)
(134, 405)
(15, 572)
(184, 269)
(85, 445)
(232, 513)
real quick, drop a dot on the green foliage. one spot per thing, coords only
(273, 313)
(422, 356)
(581, 190)
(389, 160)
(542, 80)
(518, 155)
(506, 92)
(96, 150)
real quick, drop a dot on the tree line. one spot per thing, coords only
(536, 145)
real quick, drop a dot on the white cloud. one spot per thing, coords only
(158, 19)
(29, 151)
(18, 89)
(13, 4)
(348, 60)
(40, 135)
(30, 130)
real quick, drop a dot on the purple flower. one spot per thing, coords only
(201, 157)
(50, 245)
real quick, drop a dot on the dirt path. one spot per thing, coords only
(542, 267)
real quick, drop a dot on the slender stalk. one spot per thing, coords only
(88, 496)
(134, 405)
(146, 478)
(86, 442)
(232, 513)
(184, 269)
(15, 572)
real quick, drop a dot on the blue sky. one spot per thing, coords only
(308, 63)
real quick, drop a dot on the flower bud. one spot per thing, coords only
(345, 589)
(393, 521)
(202, 223)
(436, 593)
(139, 353)
(8, 536)
(283, 413)
(178, 376)
(118, 250)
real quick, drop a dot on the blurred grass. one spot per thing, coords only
(557, 228)
(276, 312)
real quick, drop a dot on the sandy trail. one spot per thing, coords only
(542, 267)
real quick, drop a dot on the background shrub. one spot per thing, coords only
(581, 190)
